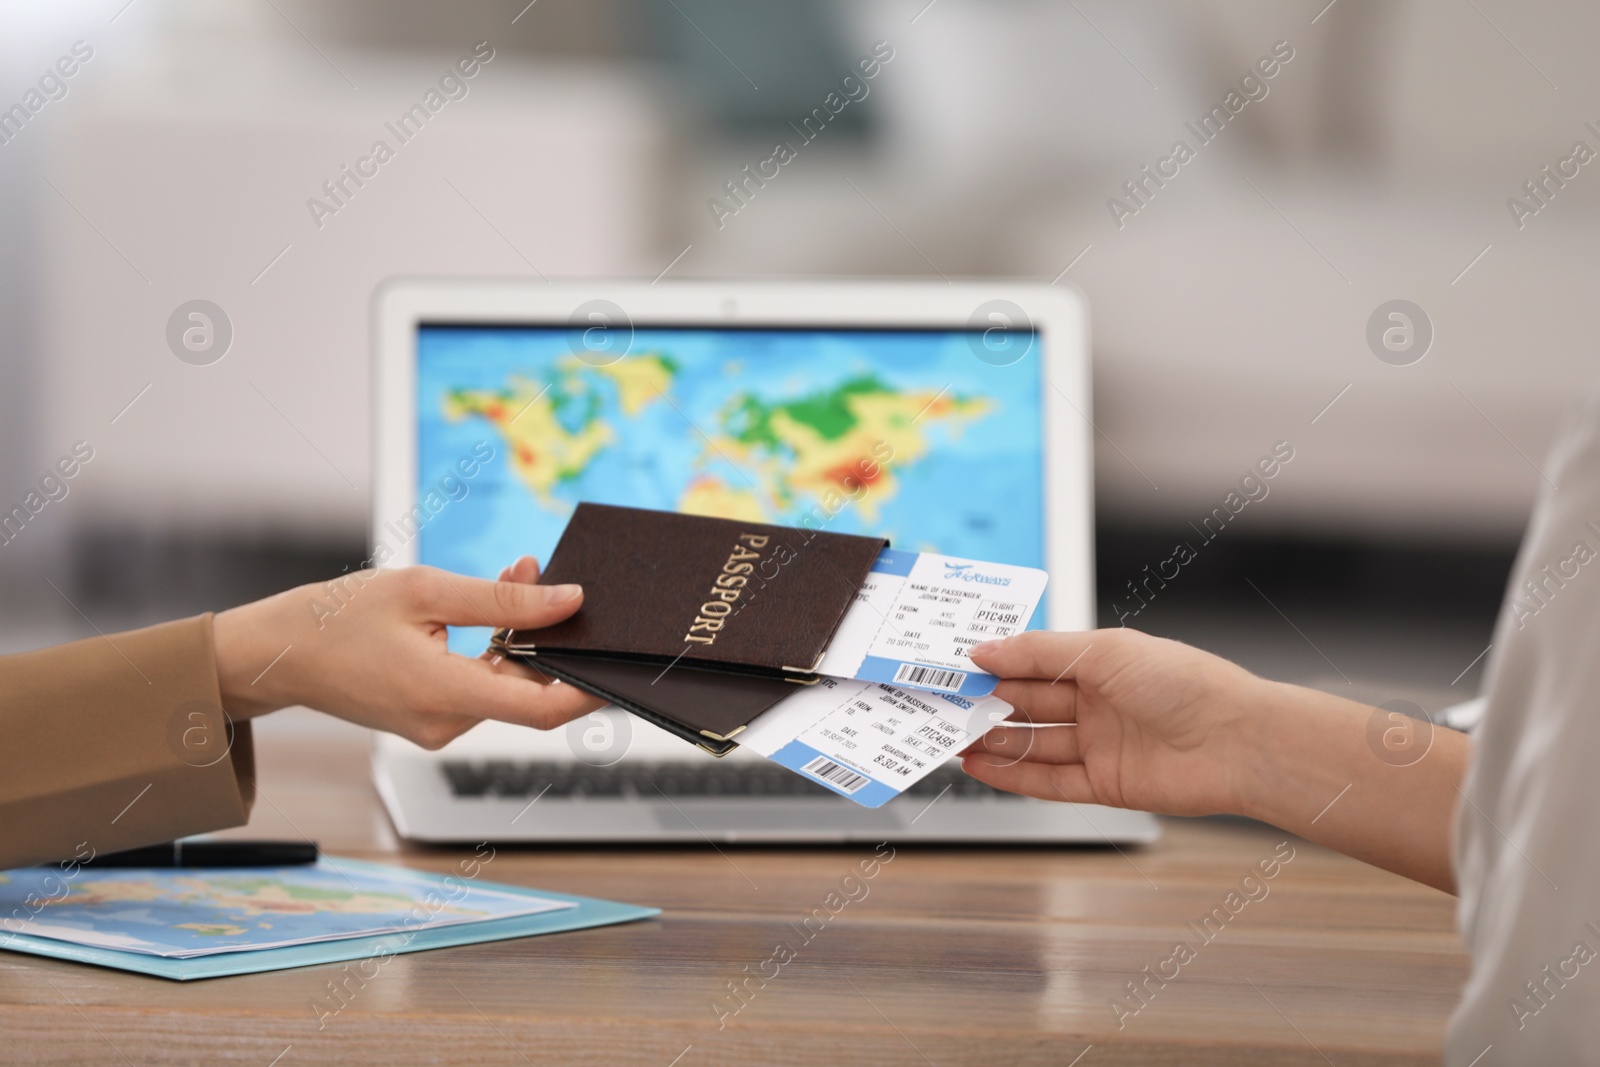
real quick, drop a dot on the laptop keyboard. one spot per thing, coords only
(649, 781)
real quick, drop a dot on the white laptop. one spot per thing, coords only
(733, 399)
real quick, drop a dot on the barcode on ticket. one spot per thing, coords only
(829, 771)
(931, 677)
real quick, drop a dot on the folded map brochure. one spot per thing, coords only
(834, 654)
(192, 923)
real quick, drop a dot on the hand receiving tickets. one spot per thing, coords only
(1133, 721)
(1160, 726)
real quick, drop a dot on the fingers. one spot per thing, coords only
(1043, 654)
(1044, 744)
(1068, 782)
(507, 692)
(516, 668)
(525, 570)
(436, 731)
(1040, 701)
(457, 600)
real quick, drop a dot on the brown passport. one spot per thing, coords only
(705, 708)
(697, 624)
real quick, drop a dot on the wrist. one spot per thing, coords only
(1301, 752)
(1250, 746)
(247, 639)
(1269, 729)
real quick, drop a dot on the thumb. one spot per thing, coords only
(1033, 654)
(463, 601)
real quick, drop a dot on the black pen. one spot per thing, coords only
(213, 854)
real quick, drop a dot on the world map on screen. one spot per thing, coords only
(900, 434)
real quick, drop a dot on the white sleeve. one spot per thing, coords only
(1526, 851)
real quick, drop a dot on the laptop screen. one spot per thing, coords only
(904, 434)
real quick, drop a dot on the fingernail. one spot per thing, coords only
(983, 649)
(562, 594)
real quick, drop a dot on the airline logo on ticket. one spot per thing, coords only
(866, 741)
(918, 614)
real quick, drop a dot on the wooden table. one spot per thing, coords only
(954, 956)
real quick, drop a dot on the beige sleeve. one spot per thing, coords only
(117, 742)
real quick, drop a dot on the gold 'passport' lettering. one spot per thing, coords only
(726, 589)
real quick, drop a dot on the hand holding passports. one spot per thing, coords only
(697, 625)
(702, 625)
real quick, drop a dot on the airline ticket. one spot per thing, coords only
(867, 741)
(917, 615)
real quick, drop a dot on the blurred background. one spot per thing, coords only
(1230, 305)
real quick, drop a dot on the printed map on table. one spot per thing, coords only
(184, 913)
(764, 425)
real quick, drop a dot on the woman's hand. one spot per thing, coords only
(370, 647)
(1159, 725)
(1164, 727)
